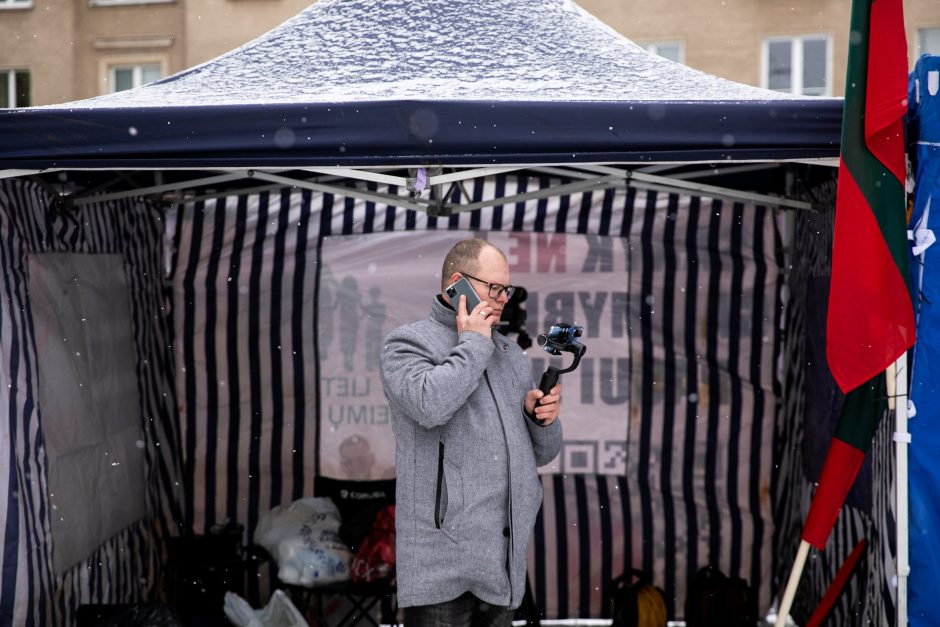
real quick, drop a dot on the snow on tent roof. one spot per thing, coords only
(361, 82)
(504, 50)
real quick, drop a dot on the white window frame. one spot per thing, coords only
(137, 74)
(653, 46)
(918, 34)
(136, 63)
(796, 61)
(13, 5)
(116, 3)
(8, 82)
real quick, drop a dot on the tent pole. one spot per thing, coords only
(86, 199)
(362, 175)
(668, 184)
(8, 174)
(402, 202)
(585, 184)
(463, 175)
(792, 583)
(712, 190)
(737, 169)
(902, 438)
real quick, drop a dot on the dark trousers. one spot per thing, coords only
(464, 611)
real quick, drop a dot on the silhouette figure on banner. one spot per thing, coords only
(326, 307)
(375, 333)
(348, 300)
(344, 299)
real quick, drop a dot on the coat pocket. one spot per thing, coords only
(439, 505)
(448, 499)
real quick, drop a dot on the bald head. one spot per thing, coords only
(465, 256)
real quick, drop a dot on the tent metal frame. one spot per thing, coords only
(583, 177)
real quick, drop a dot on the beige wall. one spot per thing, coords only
(725, 37)
(110, 35)
(214, 27)
(69, 45)
(41, 41)
(919, 14)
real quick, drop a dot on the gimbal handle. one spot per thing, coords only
(549, 379)
(550, 376)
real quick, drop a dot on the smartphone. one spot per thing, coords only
(462, 286)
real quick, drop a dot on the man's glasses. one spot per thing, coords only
(495, 289)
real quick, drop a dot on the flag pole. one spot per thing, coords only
(837, 585)
(901, 439)
(792, 583)
(896, 388)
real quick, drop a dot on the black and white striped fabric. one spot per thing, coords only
(870, 596)
(125, 568)
(705, 450)
(706, 284)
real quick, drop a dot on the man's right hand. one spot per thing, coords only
(481, 320)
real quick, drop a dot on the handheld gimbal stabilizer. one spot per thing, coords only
(562, 337)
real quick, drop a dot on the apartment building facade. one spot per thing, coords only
(54, 51)
(798, 46)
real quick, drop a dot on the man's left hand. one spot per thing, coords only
(544, 407)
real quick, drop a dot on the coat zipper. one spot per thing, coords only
(440, 481)
(509, 556)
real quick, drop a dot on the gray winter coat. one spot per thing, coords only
(466, 458)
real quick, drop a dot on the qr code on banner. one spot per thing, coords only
(613, 458)
(592, 457)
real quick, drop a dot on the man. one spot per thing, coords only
(470, 433)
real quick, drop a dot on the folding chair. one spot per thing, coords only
(358, 503)
(362, 600)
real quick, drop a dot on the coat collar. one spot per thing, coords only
(443, 314)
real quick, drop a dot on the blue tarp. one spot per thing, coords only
(460, 82)
(924, 459)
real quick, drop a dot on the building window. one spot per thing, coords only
(928, 41)
(797, 65)
(671, 50)
(121, 77)
(14, 89)
(16, 4)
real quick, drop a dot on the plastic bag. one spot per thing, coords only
(375, 558)
(303, 538)
(279, 612)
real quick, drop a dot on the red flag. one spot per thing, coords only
(871, 316)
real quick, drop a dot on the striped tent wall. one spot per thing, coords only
(870, 596)
(788, 431)
(881, 589)
(809, 257)
(705, 390)
(125, 568)
(705, 395)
